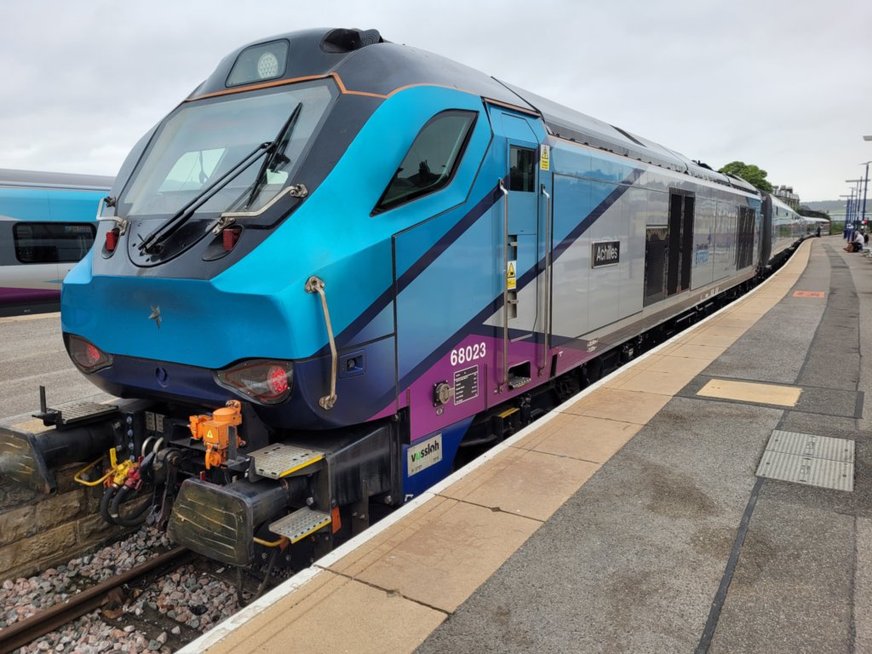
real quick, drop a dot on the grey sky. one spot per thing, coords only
(783, 84)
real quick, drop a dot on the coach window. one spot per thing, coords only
(431, 161)
(52, 242)
(522, 169)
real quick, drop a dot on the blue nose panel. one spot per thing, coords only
(175, 320)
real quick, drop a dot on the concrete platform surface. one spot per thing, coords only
(32, 353)
(631, 518)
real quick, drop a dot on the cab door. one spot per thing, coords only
(523, 250)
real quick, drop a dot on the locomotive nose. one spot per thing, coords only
(192, 322)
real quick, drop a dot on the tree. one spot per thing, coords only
(750, 173)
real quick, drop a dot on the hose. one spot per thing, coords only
(263, 584)
(126, 521)
(120, 495)
(105, 501)
(147, 462)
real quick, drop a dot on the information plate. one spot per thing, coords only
(465, 384)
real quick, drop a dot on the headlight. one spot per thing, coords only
(262, 380)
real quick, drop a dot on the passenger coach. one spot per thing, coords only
(47, 224)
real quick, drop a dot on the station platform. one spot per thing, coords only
(693, 501)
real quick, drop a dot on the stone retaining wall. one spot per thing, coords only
(39, 531)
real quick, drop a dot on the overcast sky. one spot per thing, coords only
(786, 85)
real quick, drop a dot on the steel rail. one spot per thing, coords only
(23, 632)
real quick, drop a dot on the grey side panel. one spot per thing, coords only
(54, 180)
(705, 222)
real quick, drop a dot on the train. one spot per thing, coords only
(47, 225)
(342, 266)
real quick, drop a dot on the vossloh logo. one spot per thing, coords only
(424, 454)
(605, 253)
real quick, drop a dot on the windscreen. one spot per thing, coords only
(202, 141)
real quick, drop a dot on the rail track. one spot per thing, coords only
(25, 631)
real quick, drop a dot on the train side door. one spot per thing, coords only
(669, 251)
(523, 242)
(680, 244)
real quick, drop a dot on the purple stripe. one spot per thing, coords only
(19, 295)
(427, 419)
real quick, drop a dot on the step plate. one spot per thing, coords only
(299, 524)
(517, 382)
(83, 411)
(280, 459)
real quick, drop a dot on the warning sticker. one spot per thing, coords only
(544, 157)
(511, 275)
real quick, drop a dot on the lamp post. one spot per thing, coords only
(847, 214)
(865, 186)
(856, 199)
(851, 208)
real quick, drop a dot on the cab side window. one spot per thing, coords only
(431, 161)
(522, 169)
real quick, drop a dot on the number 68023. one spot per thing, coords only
(460, 355)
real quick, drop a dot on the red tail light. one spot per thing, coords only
(230, 236)
(87, 356)
(261, 380)
(112, 239)
(92, 354)
(277, 380)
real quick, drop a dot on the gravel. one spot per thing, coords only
(187, 597)
(191, 597)
(23, 597)
(90, 635)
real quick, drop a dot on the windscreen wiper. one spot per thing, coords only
(275, 154)
(272, 150)
(184, 214)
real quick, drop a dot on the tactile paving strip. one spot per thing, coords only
(809, 459)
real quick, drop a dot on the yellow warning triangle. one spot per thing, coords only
(511, 272)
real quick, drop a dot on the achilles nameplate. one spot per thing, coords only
(605, 253)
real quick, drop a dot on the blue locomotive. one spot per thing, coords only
(342, 262)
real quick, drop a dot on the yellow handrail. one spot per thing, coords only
(271, 543)
(84, 482)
